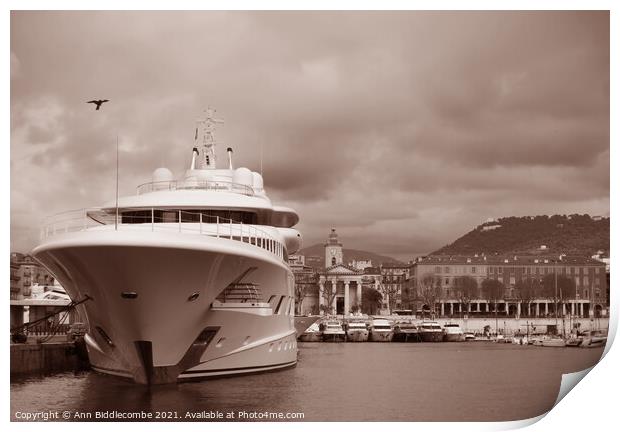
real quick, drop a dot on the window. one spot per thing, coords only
(473, 269)
(597, 270)
(585, 281)
(447, 282)
(499, 270)
(437, 269)
(446, 269)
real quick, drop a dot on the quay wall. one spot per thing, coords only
(46, 358)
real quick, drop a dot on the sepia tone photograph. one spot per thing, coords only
(306, 216)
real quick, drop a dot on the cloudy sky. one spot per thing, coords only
(401, 129)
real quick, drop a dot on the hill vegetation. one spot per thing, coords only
(572, 235)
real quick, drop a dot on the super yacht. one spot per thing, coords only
(188, 278)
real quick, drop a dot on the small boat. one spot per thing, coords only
(555, 342)
(333, 331)
(520, 340)
(405, 331)
(357, 331)
(302, 323)
(452, 332)
(469, 337)
(593, 339)
(430, 331)
(381, 331)
(312, 334)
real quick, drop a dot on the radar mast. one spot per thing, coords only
(205, 139)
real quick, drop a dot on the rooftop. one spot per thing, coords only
(509, 260)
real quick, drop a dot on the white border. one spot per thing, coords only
(592, 406)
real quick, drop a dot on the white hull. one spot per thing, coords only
(380, 335)
(162, 335)
(454, 337)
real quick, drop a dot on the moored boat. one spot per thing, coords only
(333, 331)
(303, 323)
(356, 331)
(311, 334)
(381, 330)
(188, 278)
(405, 331)
(593, 339)
(555, 342)
(430, 331)
(452, 332)
(469, 337)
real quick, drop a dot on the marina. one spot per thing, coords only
(585, 333)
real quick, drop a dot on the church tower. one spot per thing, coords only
(333, 250)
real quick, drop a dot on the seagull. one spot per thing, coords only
(98, 103)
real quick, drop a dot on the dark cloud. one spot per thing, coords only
(402, 129)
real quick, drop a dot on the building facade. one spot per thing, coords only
(455, 285)
(25, 272)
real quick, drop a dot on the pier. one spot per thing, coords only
(44, 358)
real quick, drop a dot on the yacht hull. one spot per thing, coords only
(431, 336)
(380, 336)
(153, 315)
(357, 335)
(454, 337)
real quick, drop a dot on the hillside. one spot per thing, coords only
(348, 256)
(572, 235)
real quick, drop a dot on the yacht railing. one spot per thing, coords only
(210, 185)
(163, 220)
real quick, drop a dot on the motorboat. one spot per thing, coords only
(357, 331)
(406, 331)
(469, 337)
(333, 331)
(302, 323)
(311, 334)
(555, 342)
(593, 339)
(452, 332)
(430, 331)
(381, 330)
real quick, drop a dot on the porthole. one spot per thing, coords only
(193, 297)
(129, 294)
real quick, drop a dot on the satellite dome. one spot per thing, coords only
(243, 176)
(162, 175)
(257, 184)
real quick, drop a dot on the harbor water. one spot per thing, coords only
(476, 381)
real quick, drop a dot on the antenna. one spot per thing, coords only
(261, 158)
(116, 218)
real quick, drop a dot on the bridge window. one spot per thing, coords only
(172, 216)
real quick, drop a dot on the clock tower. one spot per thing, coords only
(333, 250)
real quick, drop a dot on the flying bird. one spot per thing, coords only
(98, 103)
